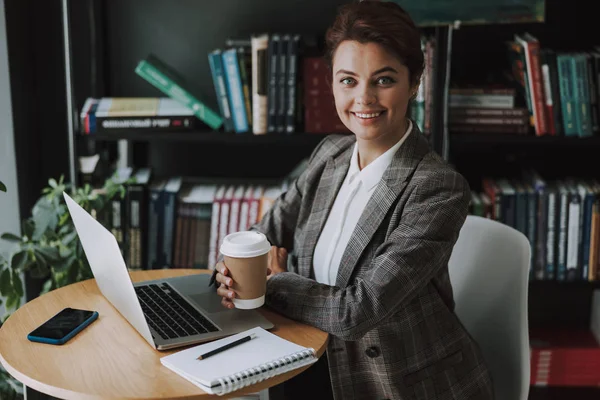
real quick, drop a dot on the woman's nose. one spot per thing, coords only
(365, 97)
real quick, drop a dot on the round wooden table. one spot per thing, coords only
(109, 359)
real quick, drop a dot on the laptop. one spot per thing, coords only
(169, 312)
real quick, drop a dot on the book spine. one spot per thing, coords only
(259, 84)
(583, 91)
(550, 272)
(235, 91)
(588, 204)
(566, 95)
(502, 120)
(489, 112)
(213, 249)
(532, 203)
(218, 76)
(555, 91)
(536, 86)
(484, 128)
(242, 56)
(159, 80)
(593, 93)
(577, 98)
(282, 73)
(292, 83)
(274, 45)
(573, 240)
(151, 124)
(542, 233)
(481, 100)
(547, 86)
(154, 228)
(178, 246)
(561, 269)
(168, 229)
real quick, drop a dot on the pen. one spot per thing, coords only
(213, 278)
(227, 346)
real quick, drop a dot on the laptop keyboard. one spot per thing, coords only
(169, 314)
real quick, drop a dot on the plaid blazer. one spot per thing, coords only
(390, 316)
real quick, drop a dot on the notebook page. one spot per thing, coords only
(264, 348)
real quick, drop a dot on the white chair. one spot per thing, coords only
(489, 272)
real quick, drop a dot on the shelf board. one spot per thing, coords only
(210, 137)
(477, 139)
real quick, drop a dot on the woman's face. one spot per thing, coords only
(371, 90)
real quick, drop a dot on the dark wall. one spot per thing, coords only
(34, 35)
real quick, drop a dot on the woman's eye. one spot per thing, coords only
(385, 80)
(347, 81)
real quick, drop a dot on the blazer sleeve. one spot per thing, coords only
(403, 265)
(279, 222)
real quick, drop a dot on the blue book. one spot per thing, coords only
(234, 90)
(218, 75)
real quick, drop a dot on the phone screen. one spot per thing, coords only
(62, 323)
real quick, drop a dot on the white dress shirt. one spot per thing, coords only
(355, 192)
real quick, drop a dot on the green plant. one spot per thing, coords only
(10, 388)
(48, 247)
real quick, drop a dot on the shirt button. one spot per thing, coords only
(372, 352)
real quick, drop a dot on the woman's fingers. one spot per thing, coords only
(227, 303)
(225, 280)
(222, 268)
(225, 292)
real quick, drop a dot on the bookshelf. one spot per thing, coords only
(109, 38)
(473, 51)
(225, 138)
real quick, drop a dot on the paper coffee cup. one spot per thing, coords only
(246, 257)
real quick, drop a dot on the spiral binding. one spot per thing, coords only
(228, 384)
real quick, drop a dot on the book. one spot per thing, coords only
(167, 80)
(112, 114)
(261, 358)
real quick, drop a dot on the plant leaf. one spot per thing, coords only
(17, 283)
(39, 269)
(19, 260)
(52, 183)
(11, 237)
(28, 228)
(68, 238)
(48, 286)
(2, 187)
(44, 215)
(5, 283)
(13, 301)
(50, 254)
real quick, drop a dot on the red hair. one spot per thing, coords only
(384, 23)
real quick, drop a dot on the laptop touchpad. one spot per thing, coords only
(211, 302)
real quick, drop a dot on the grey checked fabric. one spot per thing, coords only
(393, 331)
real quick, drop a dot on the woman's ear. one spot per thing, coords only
(414, 90)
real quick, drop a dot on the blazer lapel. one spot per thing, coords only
(392, 184)
(331, 180)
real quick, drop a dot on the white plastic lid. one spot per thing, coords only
(245, 244)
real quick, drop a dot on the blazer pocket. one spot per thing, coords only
(433, 369)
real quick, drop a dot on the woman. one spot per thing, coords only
(370, 226)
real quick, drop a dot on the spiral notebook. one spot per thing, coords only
(261, 358)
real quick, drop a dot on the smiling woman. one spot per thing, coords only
(376, 65)
(370, 226)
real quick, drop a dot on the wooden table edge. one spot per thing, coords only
(69, 394)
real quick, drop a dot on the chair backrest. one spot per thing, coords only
(489, 272)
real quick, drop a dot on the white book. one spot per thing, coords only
(261, 358)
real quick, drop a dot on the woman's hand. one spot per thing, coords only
(277, 261)
(225, 282)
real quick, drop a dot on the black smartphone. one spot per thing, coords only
(63, 326)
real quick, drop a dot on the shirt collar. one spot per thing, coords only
(372, 173)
